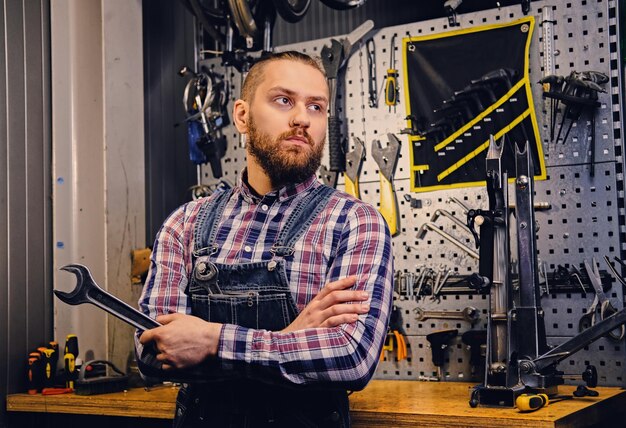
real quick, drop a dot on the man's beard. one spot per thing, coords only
(284, 165)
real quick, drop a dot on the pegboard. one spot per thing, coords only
(586, 218)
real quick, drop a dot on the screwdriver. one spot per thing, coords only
(48, 367)
(69, 360)
(71, 345)
(391, 80)
(34, 372)
(71, 374)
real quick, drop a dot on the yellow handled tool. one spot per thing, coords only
(391, 80)
(387, 160)
(354, 163)
(531, 402)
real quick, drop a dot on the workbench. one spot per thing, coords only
(384, 403)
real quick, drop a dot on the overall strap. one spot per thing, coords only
(205, 228)
(300, 219)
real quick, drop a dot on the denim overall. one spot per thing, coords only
(254, 295)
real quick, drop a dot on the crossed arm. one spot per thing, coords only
(337, 336)
(185, 341)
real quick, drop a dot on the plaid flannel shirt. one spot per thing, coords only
(345, 239)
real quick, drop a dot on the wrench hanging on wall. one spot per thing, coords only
(354, 165)
(334, 58)
(387, 160)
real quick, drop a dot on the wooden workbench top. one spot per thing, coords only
(384, 403)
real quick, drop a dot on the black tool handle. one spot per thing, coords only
(336, 151)
(121, 310)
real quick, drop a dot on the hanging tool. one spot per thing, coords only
(476, 341)
(395, 336)
(387, 160)
(469, 314)
(87, 291)
(547, 39)
(329, 178)
(600, 300)
(371, 73)
(614, 271)
(204, 100)
(354, 164)
(391, 79)
(334, 58)
(432, 226)
(450, 7)
(439, 342)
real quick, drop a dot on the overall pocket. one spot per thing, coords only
(251, 309)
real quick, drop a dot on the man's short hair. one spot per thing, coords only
(255, 75)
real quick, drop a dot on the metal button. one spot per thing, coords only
(264, 207)
(272, 265)
(202, 267)
(247, 248)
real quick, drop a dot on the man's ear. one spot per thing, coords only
(241, 116)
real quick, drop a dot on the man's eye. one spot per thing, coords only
(282, 101)
(315, 107)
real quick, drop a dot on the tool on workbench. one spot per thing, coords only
(48, 366)
(70, 360)
(71, 345)
(71, 372)
(391, 79)
(334, 58)
(387, 160)
(531, 402)
(87, 291)
(35, 373)
(354, 164)
(439, 342)
(100, 384)
(583, 391)
(56, 391)
(54, 345)
(371, 73)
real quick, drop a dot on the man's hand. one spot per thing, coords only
(183, 340)
(328, 308)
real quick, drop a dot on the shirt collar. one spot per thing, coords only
(284, 193)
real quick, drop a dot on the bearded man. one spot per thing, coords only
(274, 295)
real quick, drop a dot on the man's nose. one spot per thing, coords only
(300, 116)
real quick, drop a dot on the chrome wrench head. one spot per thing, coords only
(84, 281)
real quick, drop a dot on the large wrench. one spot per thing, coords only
(87, 291)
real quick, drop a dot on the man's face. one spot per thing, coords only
(287, 121)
